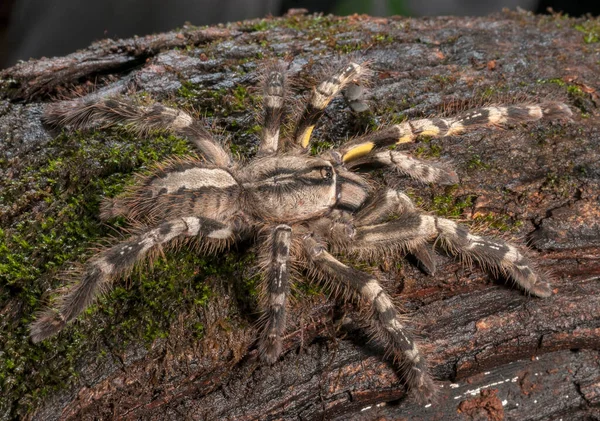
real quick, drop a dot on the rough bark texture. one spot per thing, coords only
(177, 342)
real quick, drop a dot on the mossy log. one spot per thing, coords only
(177, 341)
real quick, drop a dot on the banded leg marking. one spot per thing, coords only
(110, 111)
(410, 230)
(440, 127)
(277, 287)
(388, 326)
(273, 100)
(112, 263)
(494, 254)
(424, 171)
(393, 203)
(383, 206)
(321, 97)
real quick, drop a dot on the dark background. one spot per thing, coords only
(38, 28)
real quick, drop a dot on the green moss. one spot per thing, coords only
(319, 146)
(261, 25)
(187, 90)
(145, 307)
(444, 80)
(502, 223)
(556, 81)
(476, 163)
(242, 99)
(590, 30)
(347, 47)
(579, 98)
(307, 289)
(574, 90)
(428, 148)
(450, 206)
(49, 221)
(560, 184)
(382, 38)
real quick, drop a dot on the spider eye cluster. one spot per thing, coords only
(327, 173)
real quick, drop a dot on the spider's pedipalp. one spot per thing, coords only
(424, 171)
(275, 292)
(115, 261)
(439, 127)
(387, 325)
(141, 119)
(320, 97)
(274, 87)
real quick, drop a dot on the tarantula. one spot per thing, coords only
(302, 209)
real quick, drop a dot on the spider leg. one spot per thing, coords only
(276, 288)
(392, 202)
(321, 97)
(440, 127)
(141, 119)
(386, 323)
(273, 100)
(115, 261)
(424, 171)
(411, 230)
(384, 204)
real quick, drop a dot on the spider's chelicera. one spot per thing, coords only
(302, 209)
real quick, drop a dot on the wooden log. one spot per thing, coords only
(177, 342)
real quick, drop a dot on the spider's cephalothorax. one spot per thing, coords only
(302, 209)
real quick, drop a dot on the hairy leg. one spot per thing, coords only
(275, 291)
(115, 261)
(391, 203)
(321, 97)
(440, 127)
(412, 230)
(273, 101)
(141, 119)
(387, 325)
(427, 172)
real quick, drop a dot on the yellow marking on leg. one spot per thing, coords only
(497, 115)
(406, 134)
(358, 151)
(456, 128)
(320, 101)
(407, 138)
(425, 127)
(306, 136)
(430, 131)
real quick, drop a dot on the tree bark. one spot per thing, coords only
(496, 353)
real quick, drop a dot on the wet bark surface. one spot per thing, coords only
(497, 354)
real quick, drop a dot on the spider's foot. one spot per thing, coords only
(270, 348)
(540, 289)
(421, 386)
(48, 324)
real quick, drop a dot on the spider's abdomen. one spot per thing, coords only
(289, 188)
(182, 190)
